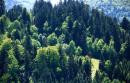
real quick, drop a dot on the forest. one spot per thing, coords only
(56, 44)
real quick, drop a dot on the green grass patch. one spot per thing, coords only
(95, 66)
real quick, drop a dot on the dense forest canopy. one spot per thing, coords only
(56, 44)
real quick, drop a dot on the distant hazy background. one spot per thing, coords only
(114, 8)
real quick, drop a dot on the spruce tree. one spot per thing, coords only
(125, 24)
(2, 7)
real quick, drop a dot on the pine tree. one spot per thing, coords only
(25, 17)
(2, 7)
(79, 35)
(125, 24)
(4, 22)
(29, 56)
(14, 13)
(5, 47)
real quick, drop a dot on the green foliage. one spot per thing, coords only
(18, 51)
(61, 39)
(35, 36)
(99, 77)
(122, 74)
(50, 54)
(116, 81)
(99, 49)
(67, 28)
(89, 43)
(36, 43)
(14, 25)
(34, 29)
(55, 44)
(25, 17)
(52, 39)
(4, 22)
(64, 26)
(28, 43)
(13, 63)
(13, 66)
(47, 57)
(126, 52)
(9, 64)
(108, 65)
(5, 77)
(71, 48)
(43, 40)
(47, 28)
(14, 13)
(6, 44)
(78, 51)
(123, 47)
(15, 34)
(106, 80)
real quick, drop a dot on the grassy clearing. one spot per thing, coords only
(95, 66)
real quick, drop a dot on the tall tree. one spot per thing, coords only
(127, 52)
(2, 7)
(3, 23)
(29, 56)
(44, 14)
(5, 47)
(52, 39)
(71, 48)
(14, 13)
(125, 24)
(25, 17)
(79, 35)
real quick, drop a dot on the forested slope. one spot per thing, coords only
(54, 44)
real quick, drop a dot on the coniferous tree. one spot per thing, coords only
(25, 17)
(4, 22)
(5, 47)
(125, 24)
(2, 7)
(52, 44)
(14, 13)
(15, 34)
(29, 56)
(52, 39)
(126, 52)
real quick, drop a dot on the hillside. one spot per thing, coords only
(71, 42)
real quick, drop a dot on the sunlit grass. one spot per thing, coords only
(95, 66)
